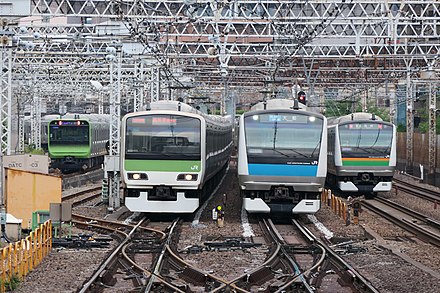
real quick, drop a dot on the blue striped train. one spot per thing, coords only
(282, 158)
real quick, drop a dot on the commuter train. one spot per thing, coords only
(27, 129)
(172, 156)
(77, 142)
(282, 158)
(361, 154)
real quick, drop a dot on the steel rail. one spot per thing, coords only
(358, 280)
(419, 216)
(111, 258)
(421, 192)
(413, 228)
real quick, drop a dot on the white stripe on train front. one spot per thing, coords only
(305, 206)
(142, 204)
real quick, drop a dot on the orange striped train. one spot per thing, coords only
(361, 154)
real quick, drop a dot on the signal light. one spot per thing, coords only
(302, 97)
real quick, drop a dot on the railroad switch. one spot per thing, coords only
(349, 249)
(82, 241)
(230, 244)
(195, 249)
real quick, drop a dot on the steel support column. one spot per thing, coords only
(112, 160)
(20, 147)
(138, 86)
(409, 123)
(5, 112)
(432, 128)
(36, 121)
(155, 84)
(6, 98)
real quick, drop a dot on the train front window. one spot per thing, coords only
(291, 137)
(365, 139)
(69, 132)
(171, 137)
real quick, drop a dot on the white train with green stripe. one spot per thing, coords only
(172, 157)
(361, 154)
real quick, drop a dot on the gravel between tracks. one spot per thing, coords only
(66, 270)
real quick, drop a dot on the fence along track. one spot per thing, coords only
(18, 259)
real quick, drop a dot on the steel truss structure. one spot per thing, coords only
(365, 41)
(342, 44)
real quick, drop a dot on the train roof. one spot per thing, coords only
(177, 106)
(358, 116)
(277, 104)
(73, 116)
(172, 106)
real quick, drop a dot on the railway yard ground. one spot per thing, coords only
(390, 258)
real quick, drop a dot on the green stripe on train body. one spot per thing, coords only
(61, 151)
(365, 163)
(163, 165)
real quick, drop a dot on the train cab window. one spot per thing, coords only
(365, 139)
(168, 137)
(74, 132)
(284, 136)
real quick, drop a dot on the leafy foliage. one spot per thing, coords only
(344, 107)
(12, 283)
(30, 149)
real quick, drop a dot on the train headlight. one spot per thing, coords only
(312, 118)
(137, 176)
(187, 177)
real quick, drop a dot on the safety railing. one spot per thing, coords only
(19, 258)
(337, 205)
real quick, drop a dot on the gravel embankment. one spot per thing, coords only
(394, 262)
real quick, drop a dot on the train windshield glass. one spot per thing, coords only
(168, 137)
(69, 132)
(285, 137)
(365, 139)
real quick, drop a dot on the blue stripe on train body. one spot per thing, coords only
(282, 170)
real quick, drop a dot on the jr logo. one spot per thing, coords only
(195, 168)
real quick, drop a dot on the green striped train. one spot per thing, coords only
(361, 154)
(77, 142)
(172, 157)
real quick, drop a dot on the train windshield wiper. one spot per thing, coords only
(280, 152)
(159, 153)
(366, 149)
(379, 149)
(316, 147)
(298, 153)
(180, 154)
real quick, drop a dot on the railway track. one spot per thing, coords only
(132, 239)
(423, 227)
(419, 191)
(299, 262)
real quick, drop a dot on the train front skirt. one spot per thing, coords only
(305, 206)
(350, 186)
(143, 204)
